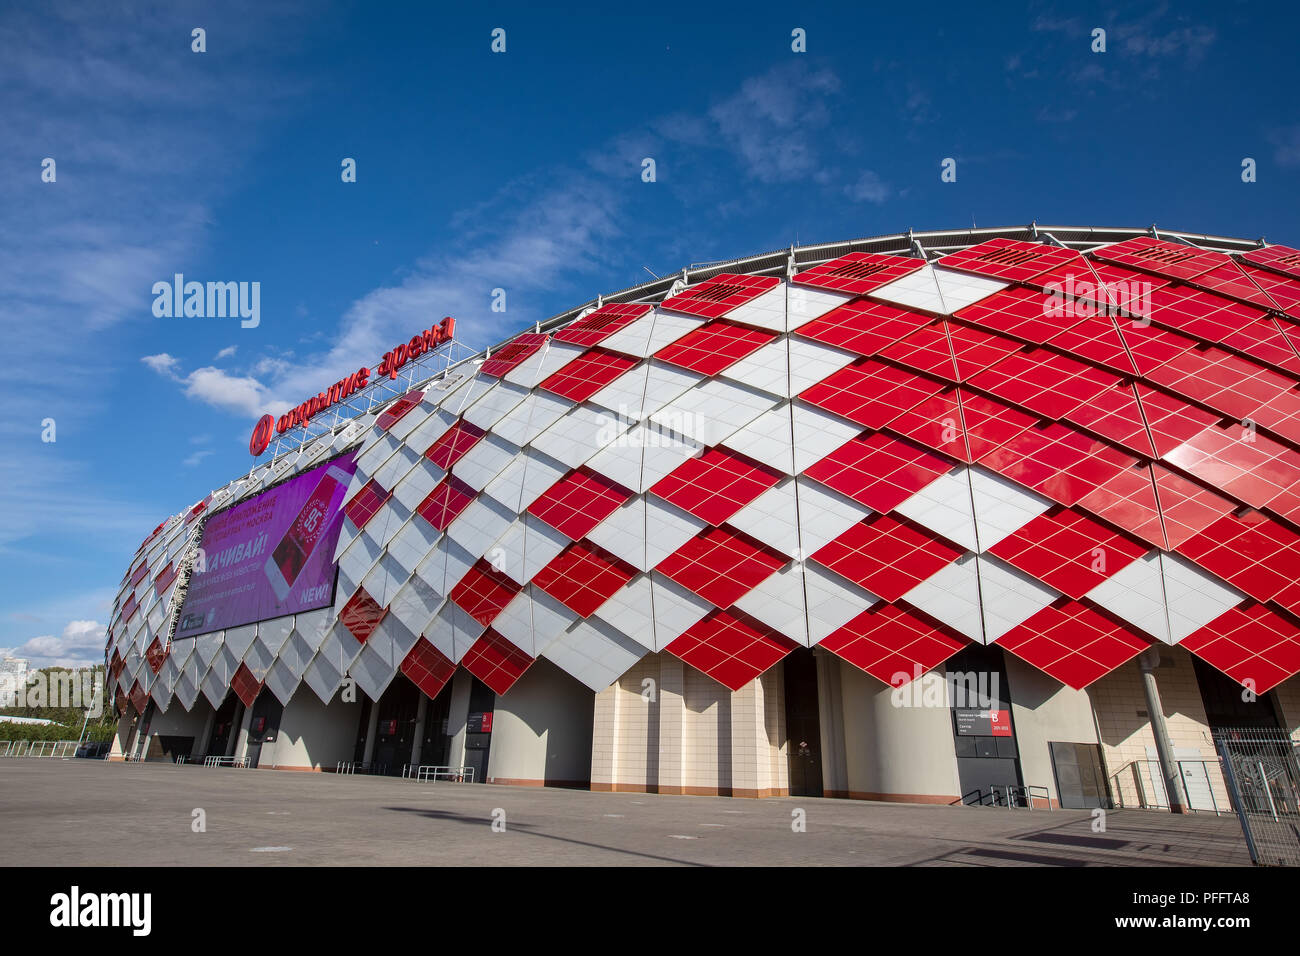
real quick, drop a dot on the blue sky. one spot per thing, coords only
(518, 170)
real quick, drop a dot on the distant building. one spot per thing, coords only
(13, 674)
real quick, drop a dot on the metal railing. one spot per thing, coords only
(224, 762)
(1010, 796)
(1153, 780)
(435, 772)
(1262, 770)
(39, 748)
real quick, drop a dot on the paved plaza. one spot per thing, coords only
(95, 813)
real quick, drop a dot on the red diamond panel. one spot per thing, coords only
(715, 297)
(1082, 286)
(587, 374)
(1249, 466)
(1068, 551)
(583, 577)
(445, 503)
(155, 654)
(428, 668)
(496, 662)
(453, 444)
(1163, 258)
(878, 470)
(950, 350)
(1232, 280)
(366, 503)
(1151, 346)
(863, 326)
(394, 412)
(602, 323)
(713, 347)
(991, 424)
(245, 685)
(720, 566)
(165, 578)
(1278, 258)
(936, 423)
(731, 647)
(886, 556)
(1171, 419)
(870, 393)
(1128, 500)
(1282, 291)
(1252, 553)
(1073, 643)
(1044, 382)
(716, 485)
(858, 272)
(361, 615)
(1202, 315)
(578, 502)
(1186, 507)
(1011, 259)
(513, 354)
(139, 575)
(1058, 462)
(139, 699)
(1021, 312)
(484, 592)
(887, 641)
(1253, 645)
(1116, 415)
(1097, 340)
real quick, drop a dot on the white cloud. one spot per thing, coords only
(198, 456)
(228, 351)
(868, 188)
(163, 364)
(81, 643)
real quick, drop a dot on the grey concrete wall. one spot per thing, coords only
(892, 752)
(542, 729)
(1042, 710)
(313, 736)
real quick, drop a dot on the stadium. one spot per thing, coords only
(992, 514)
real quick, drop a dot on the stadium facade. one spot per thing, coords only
(920, 517)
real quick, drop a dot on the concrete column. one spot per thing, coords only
(458, 717)
(671, 711)
(830, 706)
(206, 738)
(372, 729)
(240, 750)
(236, 718)
(751, 746)
(1148, 662)
(421, 709)
(604, 739)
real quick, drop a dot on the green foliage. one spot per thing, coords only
(99, 728)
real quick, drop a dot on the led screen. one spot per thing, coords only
(269, 556)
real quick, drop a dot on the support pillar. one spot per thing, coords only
(417, 745)
(372, 731)
(1148, 662)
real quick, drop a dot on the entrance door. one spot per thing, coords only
(803, 724)
(983, 734)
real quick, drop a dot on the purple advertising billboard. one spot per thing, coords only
(269, 556)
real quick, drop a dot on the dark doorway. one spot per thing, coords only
(1224, 703)
(436, 746)
(263, 724)
(983, 734)
(223, 724)
(803, 723)
(478, 729)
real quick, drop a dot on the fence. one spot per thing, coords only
(39, 748)
(1262, 769)
(1146, 779)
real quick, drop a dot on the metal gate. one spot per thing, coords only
(1262, 770)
